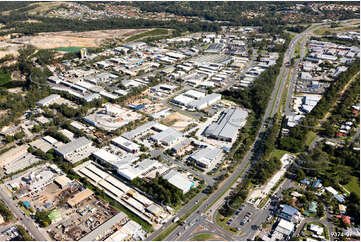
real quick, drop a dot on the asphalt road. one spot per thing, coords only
(288, 108)
(272, 108)
(24, 220)
(244, 163)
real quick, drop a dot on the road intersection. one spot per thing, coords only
(221, 193)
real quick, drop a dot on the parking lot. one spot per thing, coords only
(248, 218)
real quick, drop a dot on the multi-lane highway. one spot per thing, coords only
(272, 108)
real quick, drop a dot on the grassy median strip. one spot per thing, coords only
(172, 227)
(278, 89)
(229, 186)
(286, 91)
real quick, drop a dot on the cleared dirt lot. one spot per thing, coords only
(75, 39)
(177, 121)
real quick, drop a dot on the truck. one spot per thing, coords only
(176, 219)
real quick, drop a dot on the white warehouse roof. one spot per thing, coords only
(178, 180)
(123, 142)
(194, 94)
(73, 145)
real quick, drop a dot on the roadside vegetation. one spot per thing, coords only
(5, 212)
(296, 141)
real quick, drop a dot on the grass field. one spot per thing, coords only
(206, 237)
(69, 49)
(4, 78)
(353, 186)
(154, 32)
(322, 31)
(166, 232)
(311, 136)
(276, 153)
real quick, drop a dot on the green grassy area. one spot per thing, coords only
(166, 232)
(298, 48)
(205, 237)
(4, 78)
(276, 153)
(353, 186)
(69, 49)
(293, 34)
(285, 92)
(150, 33)
(172, 227)
(278, 89)
(27, 212)
(222, 221)
(322, 31)
(310, 137)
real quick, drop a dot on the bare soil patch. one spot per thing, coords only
(177, 121)
(52, 40)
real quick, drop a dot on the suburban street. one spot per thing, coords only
(24, 220)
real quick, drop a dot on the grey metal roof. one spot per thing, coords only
(167, 135)
(228, 124)
(102, 229)
(48, 99)
(133, 133)
(208, 154)
(206, 99)
(74, 145)
(182, 144)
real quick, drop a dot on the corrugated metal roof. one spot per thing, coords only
(228, 124)
(73, 145)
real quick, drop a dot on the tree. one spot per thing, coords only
(42, 218)
(9, 138)
(320, 210)
(19, 135)
(300, 175)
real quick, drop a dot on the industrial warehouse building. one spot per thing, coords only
(79, 197)
(76, 150)
(194, 94)
(48, 100)
(125, 144)
(227, 126)
(116, 161)
(182, 100)
(126, 232)
(104, 229)
(178, 180)
(131, 172)
(205, 101)
(206, 157)
(167, 137)
(116, 189)
(13, 154)
(160, 137)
